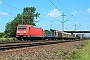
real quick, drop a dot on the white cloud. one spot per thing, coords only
(1, 2)
(87, 18)
(76, 22)
(75, 12)
(88, 10)
(3, 13)
(54, 13)
(81, 11)
(44, 13)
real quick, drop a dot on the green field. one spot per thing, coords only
(83, 53)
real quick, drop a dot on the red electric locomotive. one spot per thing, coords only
(29, 32)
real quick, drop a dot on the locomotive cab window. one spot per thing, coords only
(22, 27)
(29, 28)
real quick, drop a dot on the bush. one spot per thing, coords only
(8, 39)
(1, 34)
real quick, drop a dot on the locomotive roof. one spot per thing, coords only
(24, 25)
(28, 25)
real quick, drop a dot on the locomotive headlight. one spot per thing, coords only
(18, 31)
(24, 31)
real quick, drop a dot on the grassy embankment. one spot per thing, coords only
(81, 53)
(8, 39)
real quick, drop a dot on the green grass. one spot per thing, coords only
(83, 53)
(8, 39)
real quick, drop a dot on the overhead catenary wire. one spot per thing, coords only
(78, 26)
(61, 15)
(58, 9)
(12, 6)
(8, 13)
(63, 7)
(54, 5)
(20, 2)
(67, 11)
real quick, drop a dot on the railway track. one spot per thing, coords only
(22, 44)
(7, 42)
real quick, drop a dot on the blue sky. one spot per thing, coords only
(50, 13)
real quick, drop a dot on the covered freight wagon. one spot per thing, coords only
(61, 34)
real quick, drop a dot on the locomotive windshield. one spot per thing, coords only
(21, 27)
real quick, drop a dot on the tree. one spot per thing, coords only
(27, 16)
(1, 34)
(46, 32)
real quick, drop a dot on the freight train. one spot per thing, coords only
(29, 32)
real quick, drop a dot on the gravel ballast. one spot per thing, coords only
(45, 52)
